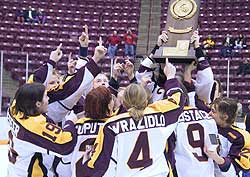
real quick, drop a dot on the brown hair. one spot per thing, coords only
(135, 100)
(26, 97)
(227, 106)
(96, 103)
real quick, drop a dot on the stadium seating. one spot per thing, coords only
(64, 21)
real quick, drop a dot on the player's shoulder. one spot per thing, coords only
(234, 133)
(118, 117)
(87, 119)
(240, 132)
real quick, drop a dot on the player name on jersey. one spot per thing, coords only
(193, 115)
(13, 125)
(89, 128)
(126, 125)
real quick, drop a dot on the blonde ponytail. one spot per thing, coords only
(135, 100)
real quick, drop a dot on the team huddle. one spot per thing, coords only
(84, 125)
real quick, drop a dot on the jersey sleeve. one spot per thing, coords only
(144, 70)
(75, 83)
(83, 60)
(239, 152)
(204, 78)
(43, 73)
(40, 131)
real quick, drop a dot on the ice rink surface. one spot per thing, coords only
(3, 160)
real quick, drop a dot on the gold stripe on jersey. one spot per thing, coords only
(2, 142)
(188, 108)
(115, 112)
(36, 170)
(30, 79)
(99, 147)
(165, 105)
(176, 97)
(245, 134)
(244, 155)
(232, 135)
(170, 170)
(39, 126)
(166, 148)
(157, 107)
(117, 117)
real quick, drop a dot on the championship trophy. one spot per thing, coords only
(182, 21)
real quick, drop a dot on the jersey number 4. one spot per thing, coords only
(195, 133)
(140, 156)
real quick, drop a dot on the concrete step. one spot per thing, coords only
(144, 36)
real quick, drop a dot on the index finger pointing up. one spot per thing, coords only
(59, 47)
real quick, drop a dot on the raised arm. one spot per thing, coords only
(43, 73)
(204, 78)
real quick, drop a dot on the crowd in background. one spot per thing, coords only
(31, 15)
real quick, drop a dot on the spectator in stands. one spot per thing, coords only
(229, 40)
(30, 15)
(240, 42)
(129, 39)
(209, 42)
(20, 16)
(40, 17)
(113, 42)
(226, 50)
(244, 67)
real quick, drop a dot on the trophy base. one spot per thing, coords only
(174, 55)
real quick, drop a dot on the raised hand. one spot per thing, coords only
(117, 69)
(129, 69)
(84, 38)
(100, 42)
(195, 38)
(56, 55)
(163, 38)
(100, 52)
(71, 64)
(169, 70)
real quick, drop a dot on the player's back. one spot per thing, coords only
(192, 133)
(136, 148)
(142, 153)
(87, 130)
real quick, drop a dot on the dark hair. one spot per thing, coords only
(26, 97)
(96, 103)
(227, 106)
(217, 83)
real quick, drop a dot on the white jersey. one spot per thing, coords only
(126, 147)
(192, 133)
(34, 142)
(145, 70)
